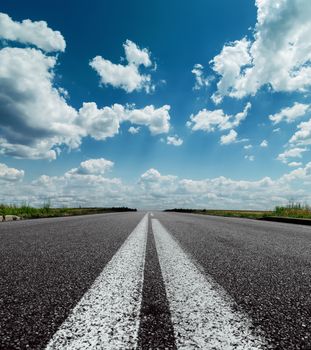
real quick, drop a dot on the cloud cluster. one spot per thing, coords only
(200, 80)
(92, 167)
(290, 114)
(278, 56)
(174, 140)
(35, 116)
(231, 137)
(291, 153)
(36, 119)
(127, 77)
(10, 174)
(209, 121)
(303, 135)
(89, 185)
(29, 32)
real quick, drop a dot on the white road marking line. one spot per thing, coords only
(202, 313)
(107, 316)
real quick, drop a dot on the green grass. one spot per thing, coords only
(230, 213)
(28, 212)
(292, 210)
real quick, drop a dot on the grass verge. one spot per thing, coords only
(28, 212)
(292, 210)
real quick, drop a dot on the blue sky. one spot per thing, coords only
(217, 93)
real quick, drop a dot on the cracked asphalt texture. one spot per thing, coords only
(46, 267)
(264, 266)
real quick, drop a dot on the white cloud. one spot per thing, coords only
(303, 135)
(294, 164)
(35, 117)
(105, 122)
(100, 123)
(29, 32)
(133, 130)
(251, 158)
(291, 153)
(264, 144)
(229, 138)
(126, 77)
(156, 119)
(200, 80)
(228, 65)
(290, 114)
(163, 191)
(248, 147)
(135, 55)
(276, 130)
(10, 174)
(210, 120)
(174, 140)
(278, 56)
(93, 167)
(90, 186)
(153, 183)
(36, 120)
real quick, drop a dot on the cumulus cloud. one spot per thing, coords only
(264, 144)
(229, 138)
(281, 34)
(228, 64)
(290, 114)
(165, 191)
(35, 116)
(126, 77)
(156, 119)
(37, 121)
(101, 123)
(89, 185)
(200, 80)
(10, 174)
(135, 55)
(248, 147)
(174, 140)
(133, 130)
(302, 137)
(291, 153)
(93, 167)
(152, 183)
(294, 164)
(209, 121)
(29, 32)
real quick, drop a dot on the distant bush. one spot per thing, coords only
(293, 209)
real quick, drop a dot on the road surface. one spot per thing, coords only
(154, 281)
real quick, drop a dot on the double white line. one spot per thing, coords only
(108, 315)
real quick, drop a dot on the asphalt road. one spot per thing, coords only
(46, 267)
(264, 266)
(258, 274)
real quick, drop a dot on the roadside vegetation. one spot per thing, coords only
(291, 210)
(26, 211)
(231, 213)
(294, 210)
